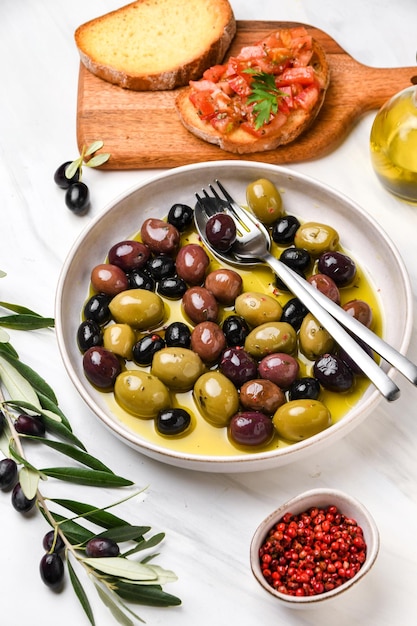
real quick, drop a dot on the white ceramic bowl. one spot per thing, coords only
(303, 197)
(320, 498)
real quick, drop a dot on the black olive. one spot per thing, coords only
(178, 335)
(140, 279)
(161, 266)
(304, 388)
(97, 308)
(8, 474)
(88, 335)
(333, 373)
(180, 216)
(296, 258)
(144, 349)
(51, 569)
(172, 287)
(20, 502)
(284, 229)
(172, 421)
(293, 312)
(235, 329)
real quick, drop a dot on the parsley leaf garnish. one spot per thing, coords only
(265, 94)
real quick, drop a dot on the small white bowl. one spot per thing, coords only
(321, 498)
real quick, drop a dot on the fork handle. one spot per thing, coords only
(381, 347)
(376, 375)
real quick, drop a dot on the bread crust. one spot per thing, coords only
(191, 68)
(241, 142)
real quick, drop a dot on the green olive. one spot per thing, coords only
(140, 308)
(257, 308)
(271, 337)
(216, 398)
(264, 200)
(119, 338)
(299, 419)
(316, 238)
(177, 368)
(141, 394)
(314, 340)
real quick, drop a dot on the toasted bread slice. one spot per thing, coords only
(152, 45)
(280, 130)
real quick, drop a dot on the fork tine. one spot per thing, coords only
(224, 192)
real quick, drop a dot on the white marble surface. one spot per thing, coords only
(208, 519)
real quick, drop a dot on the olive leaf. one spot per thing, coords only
(93, 147)
(37, 382)
(145, 544)
(151, 595)
(4, 337)
(26, 322)
(72, 452)
(29, 480)
(80, 593)
(126, 532)
(163, 576)
(98, 516)
(98, 160)
(121, 567)
(17, 386)
(82, 476)
(114, 608)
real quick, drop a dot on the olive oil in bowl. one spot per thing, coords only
(394, 144)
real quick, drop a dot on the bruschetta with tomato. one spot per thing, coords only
(264, 97)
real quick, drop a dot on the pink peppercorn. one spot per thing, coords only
(312, 552)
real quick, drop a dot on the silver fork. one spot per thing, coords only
(253, 246)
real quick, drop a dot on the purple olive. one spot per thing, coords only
(251, 428)
(238, 366)
(100, 547)
(338, 266)
(51, 569)
(29, 425)
(101, 367)
(221, 231)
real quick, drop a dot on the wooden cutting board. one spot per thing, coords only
(142, 129)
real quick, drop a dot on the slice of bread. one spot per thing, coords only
(151, 45)
(270, 135)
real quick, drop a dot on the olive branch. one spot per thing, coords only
(117, 579)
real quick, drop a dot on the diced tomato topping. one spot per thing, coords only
(301, 75)
(215, 73)
(220, 97)
(203, 102)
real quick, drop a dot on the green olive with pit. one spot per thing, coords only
(141, 394)
(271, 337)
(178, 368)
(297, 420)
(316, 238)
(140, 308)
(216, 398)
(119, 338)
(264, 200)
(313, 339)
(258, 308)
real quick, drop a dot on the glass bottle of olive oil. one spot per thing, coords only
(394, 144)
